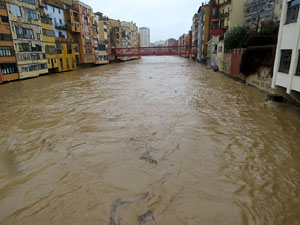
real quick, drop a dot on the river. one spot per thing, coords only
(156, 141)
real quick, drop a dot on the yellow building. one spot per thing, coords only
(49, 39)
(65, 50)
(237, 15)
(115, 36)
(205, 37)
(65, 55)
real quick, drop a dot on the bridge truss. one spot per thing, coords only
(161, 50)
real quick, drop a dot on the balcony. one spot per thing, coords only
(61, 26)
(76, 28)
(46, 20)
(223, 15)
(217, 31)
(225, 2)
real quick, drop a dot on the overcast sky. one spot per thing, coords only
(165, 18)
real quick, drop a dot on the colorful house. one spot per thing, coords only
(8, 61)
(26, 27)
(85, 38)
(55, 11)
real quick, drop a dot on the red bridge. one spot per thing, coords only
(164, 50)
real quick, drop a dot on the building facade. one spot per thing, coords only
(115, 36)
(259, 11)
(286, 75)
(203, 31)
(50, 46)
(26, 27)
(145, 36)
(8, 61)
(172, 42)
(102, 39)
(129, 34)
(85, 38)
(65, 56)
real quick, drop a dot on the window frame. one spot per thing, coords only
(297, 73)
(292, 12)
(285, 52)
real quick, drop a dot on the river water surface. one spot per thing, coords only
(156, 141)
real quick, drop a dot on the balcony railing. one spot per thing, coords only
(61, 26)
(224, 2)
(222, 15)
(47, 20)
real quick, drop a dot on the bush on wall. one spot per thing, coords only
(237, 37)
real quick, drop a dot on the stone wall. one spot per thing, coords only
(262, 80)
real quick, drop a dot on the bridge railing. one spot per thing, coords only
(157, 50)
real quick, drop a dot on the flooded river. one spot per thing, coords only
(156, 141)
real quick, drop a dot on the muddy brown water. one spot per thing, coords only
(156, 141)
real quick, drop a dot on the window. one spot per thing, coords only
(2, 5)
(220, 49)
(37, 48)
(24, 47)
(298, 65)
(285, 61)
(215, 24)
(214, 12)
(50, 49)
(31, 14)
(60, 21)
(32, 2)
(61, 64)
(4, 19)
(5, 37)
(53, 10)
(35, 57)
(43, 66)
(8, 68)
(6, 51)
(222, 22)
(48, 33)
(24, 33)
(292, 11)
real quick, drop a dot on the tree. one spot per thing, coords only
(237, 37)
(257, 11)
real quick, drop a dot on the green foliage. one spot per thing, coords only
(237, 37)
(269, 28)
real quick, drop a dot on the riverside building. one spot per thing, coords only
(145, 36)
(26, 27)
(65, 54)
(8, 61)
(286, 75)
(85, 38)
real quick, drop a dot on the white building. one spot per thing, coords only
(145, 36)
(286, 75)
(58, 17)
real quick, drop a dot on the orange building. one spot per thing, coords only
(8, 61)
(85, 37)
